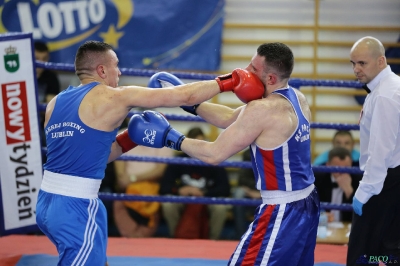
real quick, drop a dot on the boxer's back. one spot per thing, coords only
(74, 148)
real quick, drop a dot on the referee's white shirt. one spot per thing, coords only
(379, 133)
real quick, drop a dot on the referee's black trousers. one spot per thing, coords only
(377, 231)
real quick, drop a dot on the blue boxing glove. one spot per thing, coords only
(165, 79)
(357, 206)
(151, 129)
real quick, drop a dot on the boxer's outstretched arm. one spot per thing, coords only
(218, 115)
(188, 94)
(239, 135)
(244, 84)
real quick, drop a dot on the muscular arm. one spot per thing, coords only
(116, 151)
(218, 115)
(105, 107)
(187, 94)
(122, 177)
(233, 139)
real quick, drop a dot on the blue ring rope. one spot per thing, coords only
(294, 82)
(205, 200)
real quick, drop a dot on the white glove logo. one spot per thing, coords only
(165, 83)
(150, 136)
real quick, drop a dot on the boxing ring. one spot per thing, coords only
(25, 249)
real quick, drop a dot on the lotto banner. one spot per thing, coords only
(164, 34)
(20, 156)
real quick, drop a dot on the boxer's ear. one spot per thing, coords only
(271, 79)
(101, 71)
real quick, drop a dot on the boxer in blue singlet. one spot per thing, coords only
(71, 181)
(81, 124)
(277, 129)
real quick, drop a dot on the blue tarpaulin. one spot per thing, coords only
(164, 34)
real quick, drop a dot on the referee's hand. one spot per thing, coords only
(357, 206)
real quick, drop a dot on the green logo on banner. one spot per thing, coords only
(11, 59)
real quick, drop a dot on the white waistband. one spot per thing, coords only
(282, 197)
(72, 186)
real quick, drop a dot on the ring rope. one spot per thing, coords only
(205, 200)
(295, 82)
(229, 164)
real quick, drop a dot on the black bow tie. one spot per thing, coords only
(365, 87)
(334, 185)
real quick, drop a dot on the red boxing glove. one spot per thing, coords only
(246, 85)
(125, 142)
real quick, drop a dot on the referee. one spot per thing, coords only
(375, 231)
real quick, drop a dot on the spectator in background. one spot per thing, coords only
(199, 181)
(342, 138)
(246, 189)
(48, 86)
(337, 188)
(139, 218)
(47, 80)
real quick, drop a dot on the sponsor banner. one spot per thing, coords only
(164, 34)
(20, 157)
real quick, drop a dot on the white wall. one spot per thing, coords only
(301, 12)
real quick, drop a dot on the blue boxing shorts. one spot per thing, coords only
(281, 234)
(76, 226)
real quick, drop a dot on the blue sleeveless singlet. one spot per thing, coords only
(288, 166)
(67, 137)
